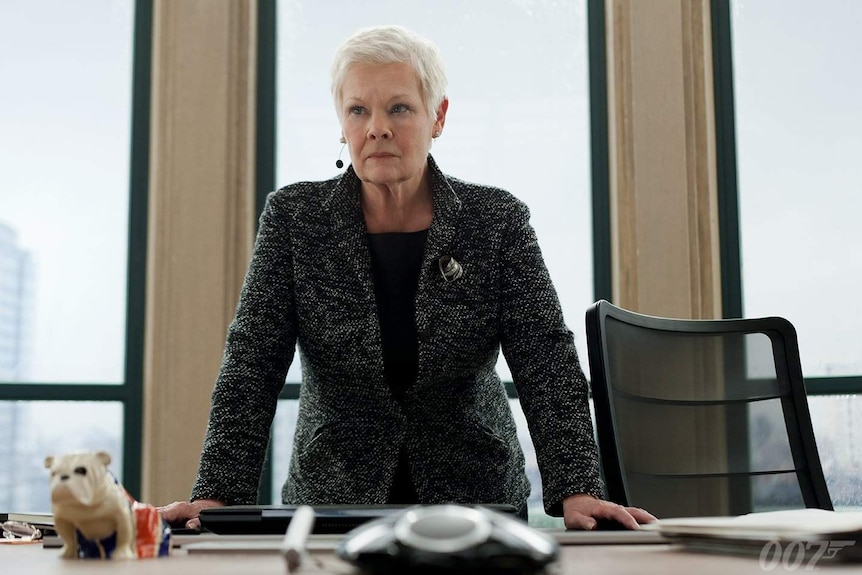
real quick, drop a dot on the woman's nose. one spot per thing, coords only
(379, 129)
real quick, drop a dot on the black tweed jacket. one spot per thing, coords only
(310, 282)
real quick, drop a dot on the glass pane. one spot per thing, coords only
(33, 430)
(518, 115)
(65, 112)
(837, 424)
(798, 122)
(283, 427)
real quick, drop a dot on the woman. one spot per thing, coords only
(400, 285)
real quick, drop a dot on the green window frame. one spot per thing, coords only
(728, 192)
(129, 392)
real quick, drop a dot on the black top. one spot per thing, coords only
(396, 259)
(395, 262)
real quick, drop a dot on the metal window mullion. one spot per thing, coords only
(265, 127)
(137, 249)
(599, 151)
(62, 392)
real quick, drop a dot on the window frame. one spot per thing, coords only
(728, 191)
(129, 392)
(600, 174)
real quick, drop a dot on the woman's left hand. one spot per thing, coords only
(582, 512)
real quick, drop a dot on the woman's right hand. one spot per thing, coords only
(186, 513)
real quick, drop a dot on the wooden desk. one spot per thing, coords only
(575, 559)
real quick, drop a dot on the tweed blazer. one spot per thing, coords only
(310, 282)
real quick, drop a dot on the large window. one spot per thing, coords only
(798, 125)
(518, 118)
(64, 172)
(66, 117)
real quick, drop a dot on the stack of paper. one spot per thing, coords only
(790, 537)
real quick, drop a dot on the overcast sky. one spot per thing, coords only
(799, 140)
(65, 119)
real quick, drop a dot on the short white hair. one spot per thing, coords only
(392, 45)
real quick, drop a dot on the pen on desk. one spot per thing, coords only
(298, 530)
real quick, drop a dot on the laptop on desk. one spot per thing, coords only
(274, 519)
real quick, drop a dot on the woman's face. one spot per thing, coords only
(387, 127)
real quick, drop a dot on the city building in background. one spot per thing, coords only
(16, 306)
(16, 322)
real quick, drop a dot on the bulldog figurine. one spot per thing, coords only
(95, 517)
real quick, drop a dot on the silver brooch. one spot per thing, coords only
(450, 268)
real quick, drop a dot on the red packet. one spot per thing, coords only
(153, 535)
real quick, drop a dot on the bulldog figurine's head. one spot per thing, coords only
(78, 478)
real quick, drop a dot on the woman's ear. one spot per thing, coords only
(441, 116)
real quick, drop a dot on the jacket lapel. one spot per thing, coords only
(442, 231)
(348, 231)
(441, 235)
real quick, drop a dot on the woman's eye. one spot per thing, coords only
(357, 110)
(400, 109)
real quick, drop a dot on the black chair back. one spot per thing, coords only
(702, 417)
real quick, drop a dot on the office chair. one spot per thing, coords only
(702, 417)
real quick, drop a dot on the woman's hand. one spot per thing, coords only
(183, 512)
(582, 512)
